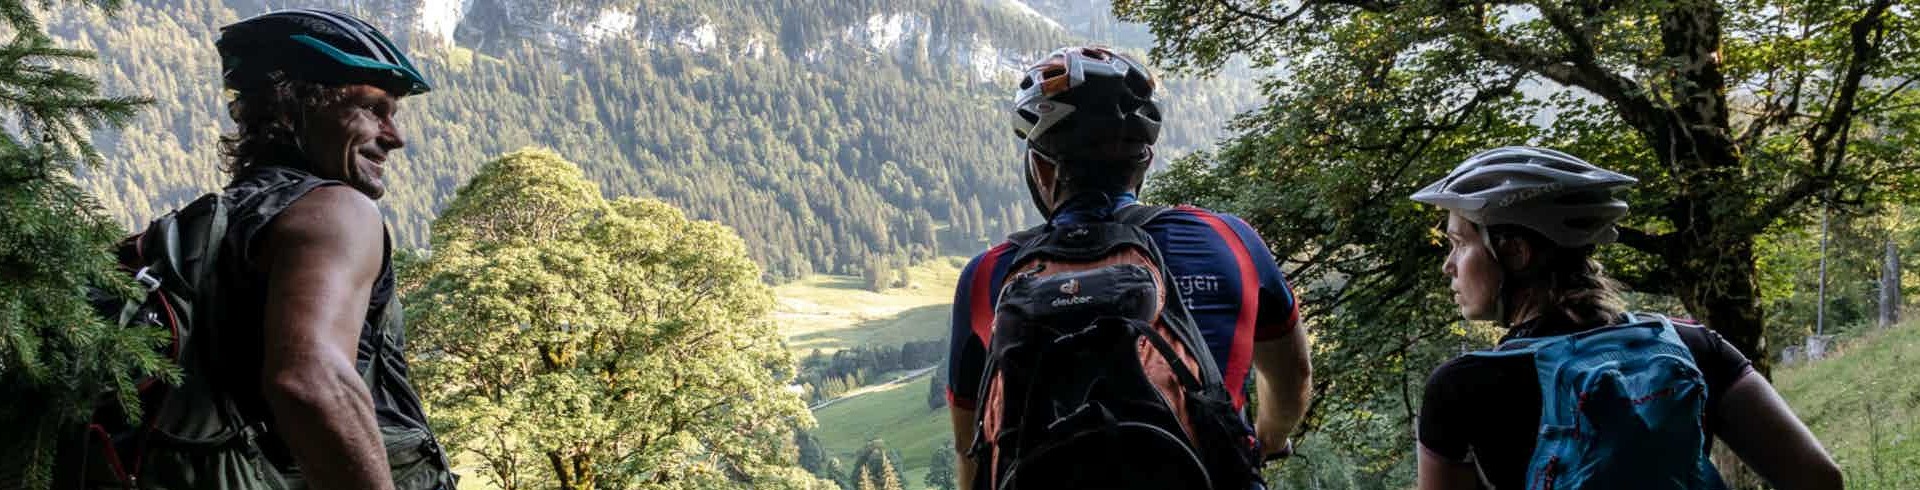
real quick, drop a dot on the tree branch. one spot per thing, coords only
(1870, 106)
(1564, 22)
(1784, 201)
(1778, 112)
(1864, 53)
(1839, 121)
(1655, 245)
(1450, 121)
(1659, 280)
(1270, 20)
(1627, 97)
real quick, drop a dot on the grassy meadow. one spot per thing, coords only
(1863, 402)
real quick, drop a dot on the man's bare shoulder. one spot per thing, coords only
(335, 218)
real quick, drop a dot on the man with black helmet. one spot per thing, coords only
(1088, 121)
(300, 381)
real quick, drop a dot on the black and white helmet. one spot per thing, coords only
(1560, 196)
(1080, 98)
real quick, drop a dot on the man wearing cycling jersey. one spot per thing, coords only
(1523, 224)
(1088, 120)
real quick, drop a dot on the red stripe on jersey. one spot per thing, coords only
(1240, 355)
(981, 311)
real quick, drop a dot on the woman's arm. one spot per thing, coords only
(1757, 424)
(1437, 473)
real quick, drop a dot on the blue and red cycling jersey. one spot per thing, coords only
(1223, 269)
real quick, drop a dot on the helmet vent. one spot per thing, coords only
(1583, 198)
(1584, 222)
(1561, 165)
(1138, 84)
(1149, 111)
(1029, 116)
(1473, 185)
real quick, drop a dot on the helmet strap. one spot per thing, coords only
(1060, 182)
(1500, 290)
(1050, 205)
(1143, 177)
(1033, 185)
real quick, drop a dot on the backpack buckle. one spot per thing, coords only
(146, 279)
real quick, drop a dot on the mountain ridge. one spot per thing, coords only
(827, 133)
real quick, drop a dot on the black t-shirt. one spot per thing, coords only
(1486, 411)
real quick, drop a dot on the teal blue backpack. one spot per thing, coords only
(1621, 408)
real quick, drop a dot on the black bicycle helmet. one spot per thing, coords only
(314, 45)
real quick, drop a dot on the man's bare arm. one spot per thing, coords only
(322, 256)
(963, 430)
(1283, 377)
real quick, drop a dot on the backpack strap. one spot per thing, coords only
(1178, 318)
(389, 313)
(1669, 333)
(1139, 214)
(215, 234)
(199, 275)
(205, 274)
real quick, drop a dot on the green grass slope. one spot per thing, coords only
(836, 312)
(1864, 405)
(897, 414)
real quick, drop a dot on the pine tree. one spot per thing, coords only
(940, 470)
(903, 276)
(877, 275)
(865, 480)
(56, 356)
(979, 227)
(875, 466)
(813, 456)
(888, 478)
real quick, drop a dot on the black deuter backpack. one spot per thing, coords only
(1097, 376)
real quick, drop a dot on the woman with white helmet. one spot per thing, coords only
(1522, 225)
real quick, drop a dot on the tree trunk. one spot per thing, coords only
(1720, 285)
(573, 472)
(1890, 287)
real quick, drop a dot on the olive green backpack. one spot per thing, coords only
(190, 435)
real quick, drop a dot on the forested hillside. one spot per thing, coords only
(828, 133)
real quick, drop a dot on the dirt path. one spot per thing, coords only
(904, 378)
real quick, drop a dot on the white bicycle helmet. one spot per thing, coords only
(1559, 196)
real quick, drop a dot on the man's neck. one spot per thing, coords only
(1093, 205)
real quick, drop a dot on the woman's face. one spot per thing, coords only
(1474, 275)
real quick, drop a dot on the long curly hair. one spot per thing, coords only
(1561, 279)
(268, 120)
